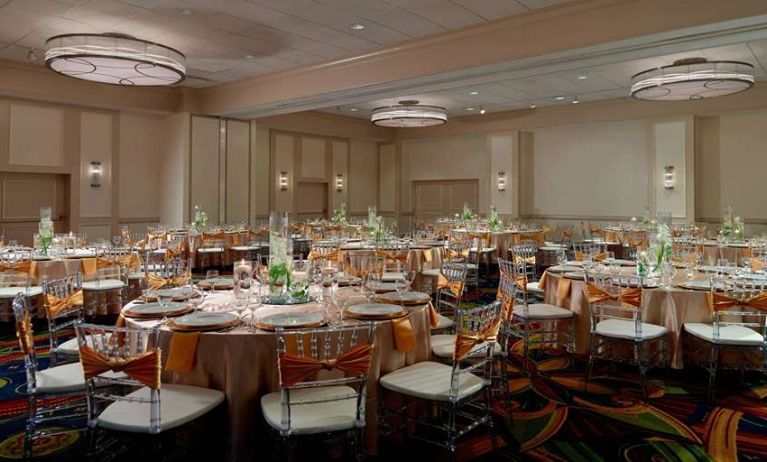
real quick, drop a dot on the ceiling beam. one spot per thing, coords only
(596, 30)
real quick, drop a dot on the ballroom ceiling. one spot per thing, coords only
(229, 40)
(603, 82)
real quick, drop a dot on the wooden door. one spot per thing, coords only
(443, 198)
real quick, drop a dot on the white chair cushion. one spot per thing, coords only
(533, 287)
(61, 379)
(179, 404)
(443, 322)
(728, 334)
(542, 311)
(210, 250)
(625, 329)
(431, 272)
(245, 248)
(443, 346)
(392, 276)
(430, 380)
(307, 419)
(471, 266)
(483, 249)
(104, 284)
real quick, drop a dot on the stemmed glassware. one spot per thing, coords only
(211, 278)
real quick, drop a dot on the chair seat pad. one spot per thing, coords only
(471, 266)
(104, 284)
(625, 329)
(245, 248)
(179, 404)
(443, 322)
(431, 272)
(483, 249)
(307, 419)
(728, 334)
(542, 311)
(443, 346)
(210, 250)
(61, 379)
(430, 380)
(393, 276)
(533, 287)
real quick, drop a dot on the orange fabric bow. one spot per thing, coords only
(433, 318)
(465, 343)
(145, 368)
(219, 236)
(720, 302)
(24, 333)
(757, 264)
(157, 282)
(627, 297)
(89, 266)
(393, 256)
(528, 261)
(295, 369)
(55, 305)
(25, 266)
(456, 288)
(330, 256)
(537, 236)
(580, 256)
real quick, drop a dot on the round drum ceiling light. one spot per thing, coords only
(692, 79)
(115, 59)
(409, 114)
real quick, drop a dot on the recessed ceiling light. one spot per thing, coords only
(583, 77)
(469, 108)
(353, 109)
(575, 100)
(559, 98)
(473, 93)
(532, 105)
(482, 111)
(356, 26)
(249, 56)
(185, 11)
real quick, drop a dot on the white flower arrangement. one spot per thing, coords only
(466, 215)
(339, 215)
(200, 221)
(494, 223)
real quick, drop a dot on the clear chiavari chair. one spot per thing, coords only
(52, 393)
(124, 358)
(63, 301)
(533, 323)
(615, 316)
(323, 384)
(459, 250)
(526, 253)
(459, 394)
(395, 255)
(450, 286)
(738, 322)
(166, 272)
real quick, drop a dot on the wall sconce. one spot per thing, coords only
(283, 181)
(501, 181)
(340, 182)
(669, 177)
(95, 173)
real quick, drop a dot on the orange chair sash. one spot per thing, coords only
(55, 305)
(158, 282)
(580, 256)
(24, 333)
(213, 236)
(433, 318)
(23, 266)
(631, 296)
(456, 288)
(295, 369)
(721, 302)
(519, 260)
(145, 368)
(392, 255)
(465, 343)
(757, 264)
(330, 256)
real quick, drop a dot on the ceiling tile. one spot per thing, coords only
(535, 4)
(46, 7)
(442, 12)
(493, 9)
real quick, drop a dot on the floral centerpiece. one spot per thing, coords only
(738, 228)
(280, 254)
(200, 221)
(646, 218)
(339, 215)
(466, 214)
(726, 231)
(494, 223)
(661, 248)
(45, 230)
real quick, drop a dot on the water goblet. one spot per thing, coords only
(211, 278)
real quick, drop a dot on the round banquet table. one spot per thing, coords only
(669, 308)
(421, 255)
(501, 241)
(244, 366)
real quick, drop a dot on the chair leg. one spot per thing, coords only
(451, 432)
(31, 425)
(712, 365)
(639, 355)
(593, 346)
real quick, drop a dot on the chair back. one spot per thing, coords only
(25, 334)
(133, 351)
(323, 357)
(63, 304)
(394, 255)
(614, 297)
(742, 303)
(476, 333)
(450, 285)
(165, 273)
(16, 272)
(526, 253)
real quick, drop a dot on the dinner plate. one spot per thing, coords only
(176, 293)
(575, 275)
(574, 263)
(220, 284)
(563, 268)
(375, 311)
(383, 286)
(156, 310)
(405, 298)
(291, 321)
(347, 280)
(202, 320)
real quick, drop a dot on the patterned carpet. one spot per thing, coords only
(552, 418)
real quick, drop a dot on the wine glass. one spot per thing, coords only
(164, 297)
(211, 278)
(561, 257)
(116, 240)
(368, 288)
(196, 297)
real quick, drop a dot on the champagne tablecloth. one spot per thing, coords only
(244, 366)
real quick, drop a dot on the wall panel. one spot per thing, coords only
(362, 179)
(387, 164)
(36, 136)
(205, 166)
(237, 171)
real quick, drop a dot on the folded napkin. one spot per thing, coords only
(433, 318)
(183, 350)
(563, 289)
(542, 281)
(404, 338)
(757, 264)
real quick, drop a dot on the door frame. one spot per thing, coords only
(416, 183)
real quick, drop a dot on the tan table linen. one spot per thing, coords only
(244, 366)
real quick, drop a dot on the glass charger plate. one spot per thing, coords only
(154, 310)
(405, 298)
(201, 320)
(291, 321)
(374, 311)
